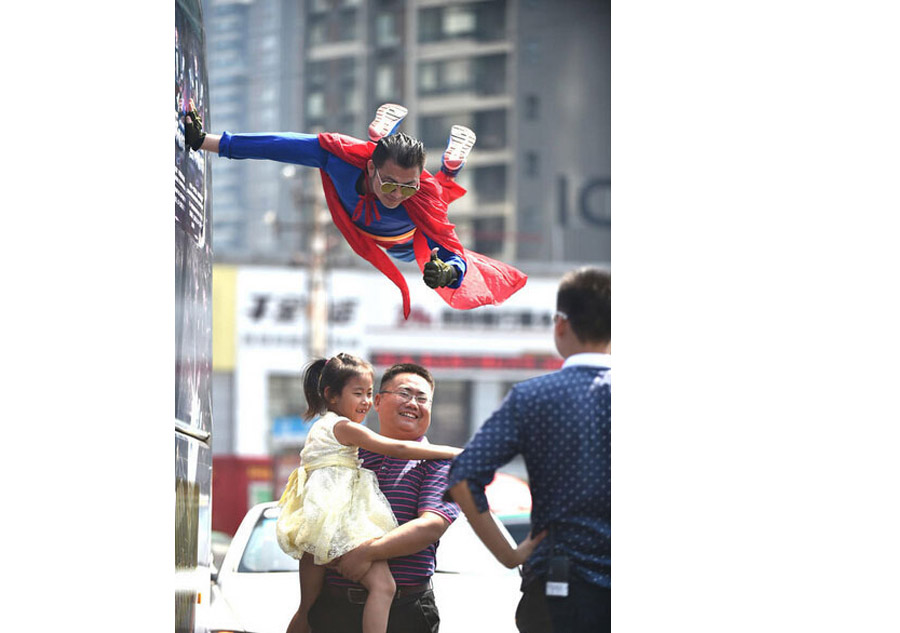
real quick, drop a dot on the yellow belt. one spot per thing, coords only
(298, 478)
(404, 237)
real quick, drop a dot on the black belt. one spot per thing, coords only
(355, 595)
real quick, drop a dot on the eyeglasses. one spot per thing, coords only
(560, 316)
(405, 396)
(389, 187)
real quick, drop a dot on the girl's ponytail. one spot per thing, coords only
(315, 400)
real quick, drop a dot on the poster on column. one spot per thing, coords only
(193, 243)
(190, 166)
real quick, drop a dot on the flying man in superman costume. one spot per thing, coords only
(384, 202)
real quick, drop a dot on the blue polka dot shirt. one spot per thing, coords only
(560, 424)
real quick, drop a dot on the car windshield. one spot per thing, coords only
(518, 524)
(262, 553)
(460, 550)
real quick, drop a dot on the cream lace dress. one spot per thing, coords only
(331, 504)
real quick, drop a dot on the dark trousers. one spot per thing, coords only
(333, 613)
(585, 610)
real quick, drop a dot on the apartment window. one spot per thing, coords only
(532, 52)
(317, 73)
(531, 164)
(345, 70)
(230, 236)
(429, 25)
(267, 95)
(227, 22)
(429, 77)
(386, 30)
(491, 21)
(457, 74)
(341, 26)
(445, 77)
(489, 75)
(484, 21)
(490, 126)
(443, 23)
(268, 43)
(489, 234)
(351, 101)
(452, 402)
(229, 58)
(385, 77)
(458, 21)
(532, 107)
(433, 130)
(267, 118)
(318, 30)
(483, 75)
(345, 27)
(490, 183)
(347, 122)
(227, 109)
(315, 104)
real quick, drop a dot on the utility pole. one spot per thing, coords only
(310, 199)
(318, 299)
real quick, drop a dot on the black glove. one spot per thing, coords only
(193, 129)
(438, 274)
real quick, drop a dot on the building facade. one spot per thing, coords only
(531, 77)
(261, 343)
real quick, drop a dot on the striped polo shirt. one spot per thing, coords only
(411, 487)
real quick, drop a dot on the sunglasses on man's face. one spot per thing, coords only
(389, 187)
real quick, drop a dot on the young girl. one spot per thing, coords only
(331, 505)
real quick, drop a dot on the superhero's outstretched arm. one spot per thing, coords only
(444, 269)
(299, 149)
(286, 147)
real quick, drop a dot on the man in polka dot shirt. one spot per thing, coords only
(560, 424)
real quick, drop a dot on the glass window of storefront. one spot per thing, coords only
(286, 407)
(450, 413)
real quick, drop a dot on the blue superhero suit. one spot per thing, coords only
(392, 229)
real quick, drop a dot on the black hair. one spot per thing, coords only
(584, 296)
(404, 150)
(331, 374)
(405, 368)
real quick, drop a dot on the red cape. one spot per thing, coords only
(486, 282)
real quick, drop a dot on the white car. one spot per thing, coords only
(257, 588)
